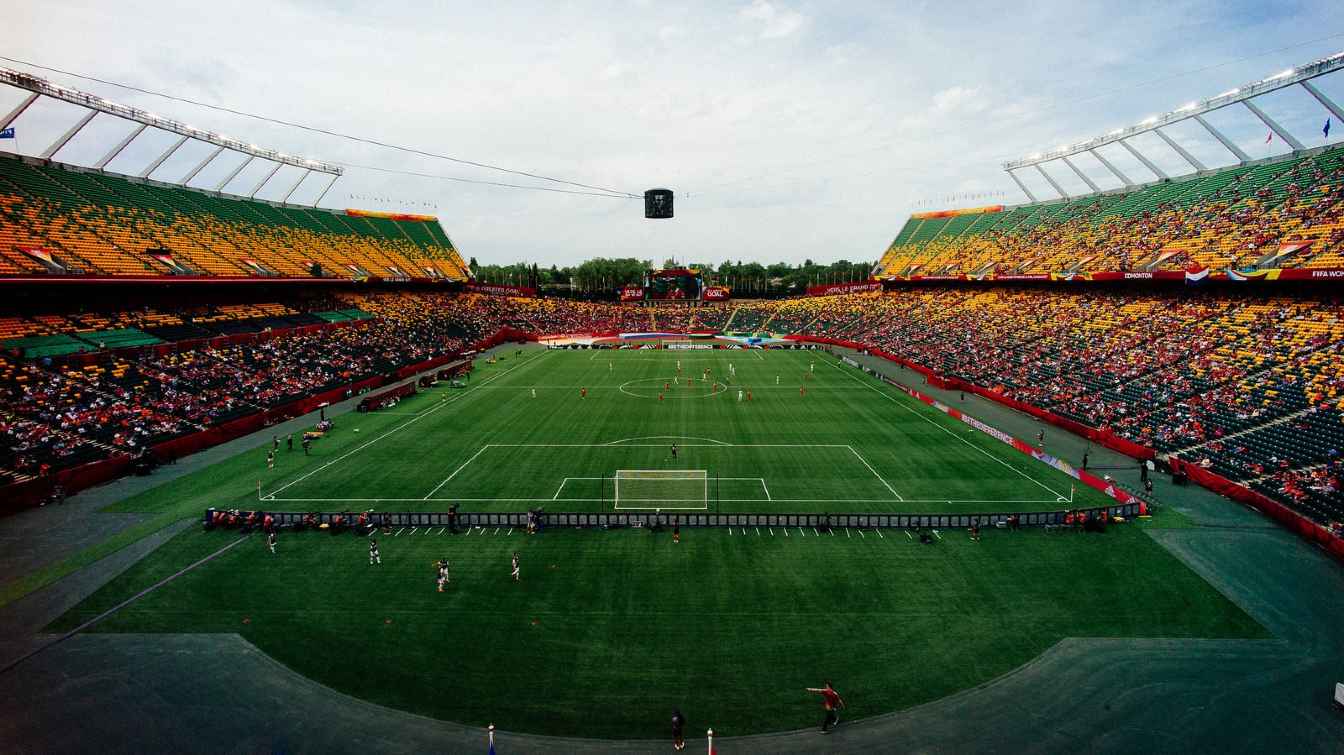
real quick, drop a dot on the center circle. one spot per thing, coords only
(653, 387)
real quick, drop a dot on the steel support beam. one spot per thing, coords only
(263, 181)
(1124, 179)
(167, 154)
(220, 186)
(123, 144)
(1283, 133)
(1196, 164)
(41, 87)
(16, 112)
(1326, 101)
(65, 138)
(1146, 162)
(333, 183)
(1228, 143)
(1095, 189)
(201, 166)
(1244, 94)
(1052, 181)
(295, 187)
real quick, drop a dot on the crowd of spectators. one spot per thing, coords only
(1231, 382)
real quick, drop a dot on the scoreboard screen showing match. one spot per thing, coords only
(679, 284)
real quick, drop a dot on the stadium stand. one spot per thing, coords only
(57, 219)
(1282, 213)
(1245, 385)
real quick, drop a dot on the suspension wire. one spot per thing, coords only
(459, 179)
(323, 131)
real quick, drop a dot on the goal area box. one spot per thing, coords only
(664, 489)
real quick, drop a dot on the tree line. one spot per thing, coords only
(601, 277)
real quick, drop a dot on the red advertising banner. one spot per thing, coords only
(717, 293)
(391, 215)
(632, 293)
(497, 289)
(843, 288)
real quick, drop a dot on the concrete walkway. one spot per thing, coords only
(212, 693)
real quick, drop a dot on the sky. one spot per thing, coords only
(788, 130)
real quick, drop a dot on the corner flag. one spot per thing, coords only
(1325, 131)
(492, 739)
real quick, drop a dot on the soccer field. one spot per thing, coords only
(772, 431)
(607, 631)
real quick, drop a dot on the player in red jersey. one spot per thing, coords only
(583, 393)
(832, 702)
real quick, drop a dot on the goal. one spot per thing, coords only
(665, 489)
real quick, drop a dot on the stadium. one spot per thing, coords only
(285, 469)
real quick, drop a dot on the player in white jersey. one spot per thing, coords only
(373, 553)
(516, 577)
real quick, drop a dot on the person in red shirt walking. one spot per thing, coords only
(832, 702)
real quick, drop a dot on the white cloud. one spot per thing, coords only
(775, 22)
(958, 98)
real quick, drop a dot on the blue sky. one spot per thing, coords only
(790, 130)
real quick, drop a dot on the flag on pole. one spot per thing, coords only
(492, 739)
(1269, 137)
(7, 133)
(711, 741)
(1326, 130)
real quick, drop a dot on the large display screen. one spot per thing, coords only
(679, 285)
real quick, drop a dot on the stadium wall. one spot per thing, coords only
(1285, 516)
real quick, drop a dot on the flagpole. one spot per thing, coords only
(710, 733)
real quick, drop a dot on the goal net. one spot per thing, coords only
(666, 489)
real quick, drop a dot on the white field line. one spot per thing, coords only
(455, 471)
(766, 488)
(664, 437)
(723, 500)
(412, 532)
(879, 533)
(399, 531)
(715, 444)
(893, 399)
(403, 425)
(875, 474)
(510, 532)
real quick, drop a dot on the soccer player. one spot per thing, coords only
(802, 390)
(307, 444)
(748, 395)
(275, 442)
(832, 702)
(534, 393)
(270, 541)
(776, 379)
(442, 566)
(373, 553)
(270, 460)
(739, 394)
(678, 366)
(674, 450)
(583, 393)
(1040, 439)
(678, 729)
(289, 442)
(516, 577)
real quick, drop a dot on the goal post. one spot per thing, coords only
(664, 489)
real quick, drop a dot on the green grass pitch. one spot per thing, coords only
(607, 631)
